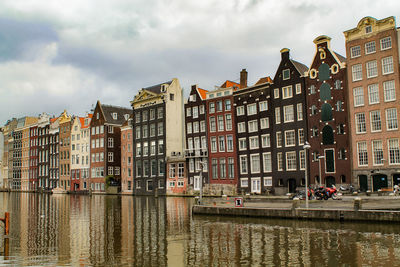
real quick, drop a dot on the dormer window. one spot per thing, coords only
(86, 122)
(286, 74)
(126, 116)
(115, 116)
(368, 29)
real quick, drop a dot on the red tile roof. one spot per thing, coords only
(264, 80)
(202, 93)
(230, 84)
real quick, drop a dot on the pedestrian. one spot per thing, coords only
(396, 190)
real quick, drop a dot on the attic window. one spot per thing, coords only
(368, 29)
(126, 116)
(97, 116)
(286, 74)
(86, 121)
(115, 116)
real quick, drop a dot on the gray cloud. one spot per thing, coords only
(53, 59)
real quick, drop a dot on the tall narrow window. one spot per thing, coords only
(391, 119)
(362, 154)
(377, 152)
(394, 151)
(376, 124)
(373, 93)
(360, 123)
(389, 91)
(358, 94)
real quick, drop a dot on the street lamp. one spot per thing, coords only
(202, 163)
(320, 177)
(306, 147)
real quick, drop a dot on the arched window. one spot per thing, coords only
(327, 135)
(325, 92)
(323, 72)
(326, 112)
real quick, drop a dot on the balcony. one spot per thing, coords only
(196, 153)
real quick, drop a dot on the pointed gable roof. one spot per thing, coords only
(300, 67)
(228, 84)
(202, 93)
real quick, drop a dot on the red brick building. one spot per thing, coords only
(127, 157)
(105, 144)
(222, 165)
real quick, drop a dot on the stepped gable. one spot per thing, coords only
(108, 110)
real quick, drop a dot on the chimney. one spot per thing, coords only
(243, 79)
(285, 53)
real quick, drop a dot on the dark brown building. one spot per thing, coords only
(253, 130)
(288, 98)
(328, 116)
(196, 137)
(105, 135)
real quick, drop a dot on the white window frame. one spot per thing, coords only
(251, 109)
(287, 92)
(361, 160)
(265, 140)
(372, 69)
(254, 142)
(370, 48)
(394, 112)
(293, 166)
(374, 123)
(298, 88)
(267, 162)
(244, 169)
(239, 110)
(389, 91)
(290, 135)
(356, 71)
(241, 127)
(387, 67)
(373, 94)
(358, 94)
(386, 41)
(263, 106)
(355, 51)
(288, 116)
(277, 115)
(253, 166)
(360, 125)
(242, 144)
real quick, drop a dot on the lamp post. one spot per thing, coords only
(306, 147)
(320, 177)
(202, 163)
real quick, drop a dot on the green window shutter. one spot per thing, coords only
(330, 160)
(327, 135)
(324, 72)
(325, 92)
(326, 112)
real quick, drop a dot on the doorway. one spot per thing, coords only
(256, 185)
(196, 183)
(330, 180)
(292, 185)
(379, 181)
(363, 183)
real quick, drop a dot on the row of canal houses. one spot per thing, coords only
(238, 138)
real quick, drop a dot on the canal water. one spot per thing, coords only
(54, 230)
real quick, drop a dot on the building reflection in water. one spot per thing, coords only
(147, 231)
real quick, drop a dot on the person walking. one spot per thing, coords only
(396, 190)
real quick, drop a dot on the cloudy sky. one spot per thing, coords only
(57, 55)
